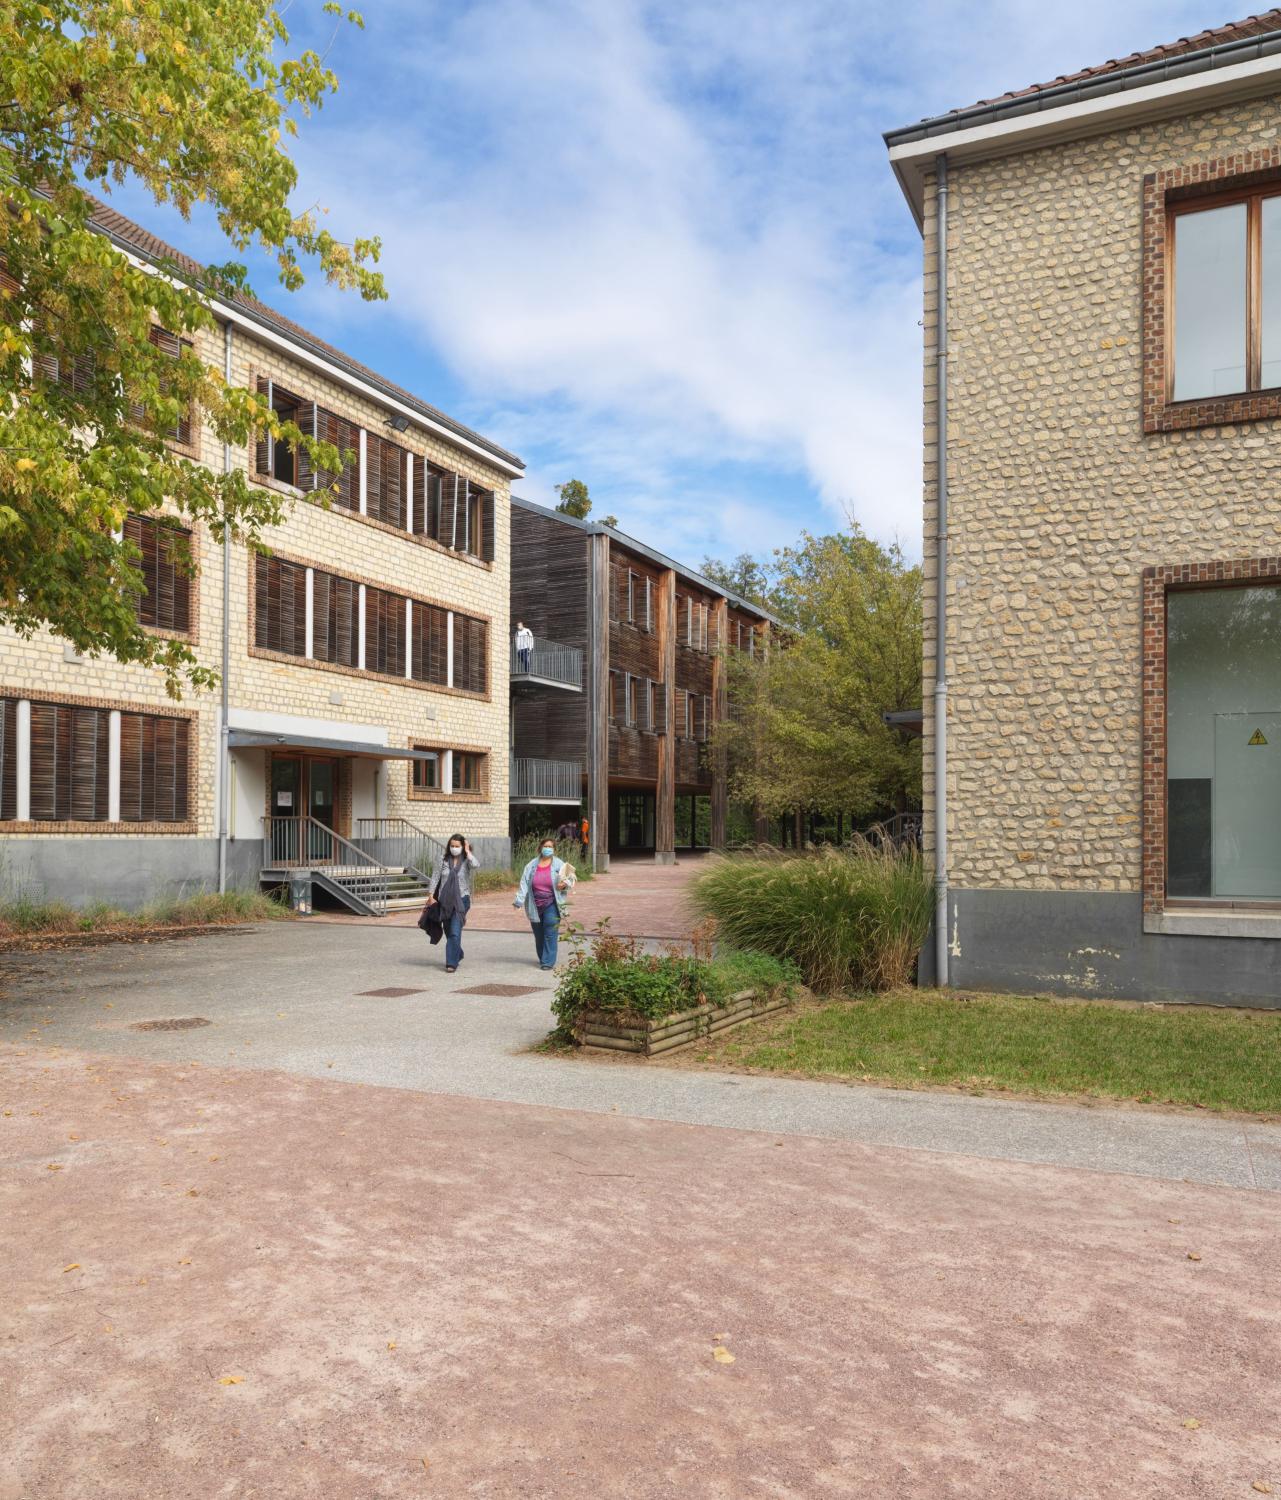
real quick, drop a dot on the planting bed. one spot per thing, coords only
(648, 1036)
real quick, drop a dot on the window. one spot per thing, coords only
(8, 759)
(170, 344)
(429, 644)
(634, 703)
(335, 625)
(69, 764)
(424, 775)
(384, 633)
(467, 771)
(280, 606)
(471, 647)
(1223, 743)
(385, 487)
(165, 602)
(1226, 302)
(344, 484)
(153, 768)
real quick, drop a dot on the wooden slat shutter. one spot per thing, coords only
(8, 759)
(384, 632)
(335, 619)
(166, 599)
(385, 487)
(280, 606)
(262, 446)
(89, 770)
(304, 471)
(471, 644)
(342, 485)
(154, 766)
(448, 524)
(69, 763)
(487, 526)
(429, 662)
(660, 708)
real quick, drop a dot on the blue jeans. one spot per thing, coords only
(454, 935)
(547, 935)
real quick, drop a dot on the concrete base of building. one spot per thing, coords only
(664, 856)
(125, 872)
(133, 872)
(1093, 943)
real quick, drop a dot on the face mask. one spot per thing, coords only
(455, 849)
(547, 851)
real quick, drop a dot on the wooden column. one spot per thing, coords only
(598, 707)
(665, 800)
(720, 712)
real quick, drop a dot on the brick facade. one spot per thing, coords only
(1065, 486)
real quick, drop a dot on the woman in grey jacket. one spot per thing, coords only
(451, 892)
(544, 884)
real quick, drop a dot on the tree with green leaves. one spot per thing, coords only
(194, 100)
(808, 731)
(574, 499)
(745, 576)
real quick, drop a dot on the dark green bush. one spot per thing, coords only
(851, 918)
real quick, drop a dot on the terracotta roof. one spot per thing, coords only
(134, 237)
(1233, 31)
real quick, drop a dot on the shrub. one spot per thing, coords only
(853, 918)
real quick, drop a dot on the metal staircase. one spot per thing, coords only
(371, 880)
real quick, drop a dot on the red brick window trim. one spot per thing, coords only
(1162, 192)
(1158, 582)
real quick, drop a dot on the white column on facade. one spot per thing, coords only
(409, 638)
(113, 766)
(449, 649)
(23, 758)
(364, 473)
(360, 649)
(310, 628)
(447, 768)
(409, 493)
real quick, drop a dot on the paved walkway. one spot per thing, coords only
(289, 996)
(640, 898)
(261, 1286)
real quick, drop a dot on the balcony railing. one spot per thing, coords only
(546, 780)
(549, 661)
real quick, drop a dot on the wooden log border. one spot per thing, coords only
(612, 1032)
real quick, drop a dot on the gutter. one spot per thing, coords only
(224, 730)
(1231, 71)
(940, 584)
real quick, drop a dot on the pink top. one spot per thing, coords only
(543, 896)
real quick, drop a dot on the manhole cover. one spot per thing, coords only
(500, 989)
(172, 1023)
(392, 992)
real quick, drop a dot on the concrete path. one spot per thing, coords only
(287, 997)
(229, 1284)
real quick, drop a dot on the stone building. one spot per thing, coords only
(614, 707)
(366, 661)
(1103, 408)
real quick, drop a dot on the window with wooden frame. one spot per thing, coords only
(386, 490)
(471, 654)
(69, 764)
(1224, 294)
(280, 606)
(342, 485)
(172, 346)
(335, 625)
(429, 644)
(424, 775)
(154, 768)
(469, 771)
(164, 562)
(384, 633)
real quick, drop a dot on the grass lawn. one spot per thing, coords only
(1179, 1055)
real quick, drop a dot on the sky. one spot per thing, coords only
(657, 246)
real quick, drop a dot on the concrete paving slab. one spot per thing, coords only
(287, 997)
(248, 1284)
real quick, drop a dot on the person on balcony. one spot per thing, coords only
(544, 884)
(524, 645)
(451, 894)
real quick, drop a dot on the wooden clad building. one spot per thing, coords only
(613, 706)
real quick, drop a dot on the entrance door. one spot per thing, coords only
(322, 784)
(286, 808)
(634, 820)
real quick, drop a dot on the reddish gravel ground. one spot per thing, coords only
(250, 1284)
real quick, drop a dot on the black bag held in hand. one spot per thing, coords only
(429, 921)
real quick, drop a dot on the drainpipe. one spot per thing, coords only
(940, 557)
(593, 770)
(224, 733)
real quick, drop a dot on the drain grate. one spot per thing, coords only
(171, 1023)
(506, 990)
(392, 992)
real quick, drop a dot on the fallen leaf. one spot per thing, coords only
(195, 1193)
(1192, 1255)
(391, 1345)
(73, 1137)
(185, 1262)
(1263, 1487)
(1191, 1424)
(426, 1463)
(1174, 1221)
(55, 1166)
(74, 1266)
(722, 1356)
(230, 1379)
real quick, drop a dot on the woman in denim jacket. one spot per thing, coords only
(544, 884)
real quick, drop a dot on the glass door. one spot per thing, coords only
(286, 807)
(322, 785)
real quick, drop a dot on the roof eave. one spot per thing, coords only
(1181, 85)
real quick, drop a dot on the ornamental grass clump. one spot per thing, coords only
(850, 918)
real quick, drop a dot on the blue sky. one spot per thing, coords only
(657, 247)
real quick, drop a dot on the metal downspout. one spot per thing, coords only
(593, 770)
(940, 555)
(224, 730)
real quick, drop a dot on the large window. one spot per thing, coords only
(1223, 743)
(1226, 305)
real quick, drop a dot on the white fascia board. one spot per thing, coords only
(1049, 127)
(255, 721)
(265, 334)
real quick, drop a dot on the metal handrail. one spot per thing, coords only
(411, 847)
(555, 780)
(550, 660)
(303, 842)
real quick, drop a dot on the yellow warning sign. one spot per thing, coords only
(1258, 738)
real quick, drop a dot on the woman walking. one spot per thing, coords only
(451, 894)
(543, 884)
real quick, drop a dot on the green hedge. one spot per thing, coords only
(851, 918)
